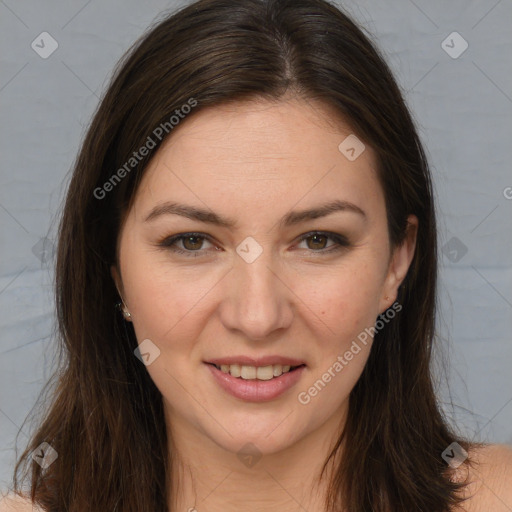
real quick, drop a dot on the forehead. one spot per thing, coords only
(260, 154)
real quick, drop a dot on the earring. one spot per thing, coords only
(121, 307)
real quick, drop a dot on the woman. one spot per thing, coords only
(246, 284)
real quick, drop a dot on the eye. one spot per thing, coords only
(192, 243)
(316, 241)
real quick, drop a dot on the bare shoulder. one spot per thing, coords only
(490, 479)
(15, 503)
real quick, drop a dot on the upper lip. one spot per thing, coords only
(256, 361)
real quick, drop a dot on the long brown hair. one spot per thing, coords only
(105, 418)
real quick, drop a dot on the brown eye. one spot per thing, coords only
(317, 241)
(192, 243)
(188, 244)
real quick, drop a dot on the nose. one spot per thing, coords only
(257, 300)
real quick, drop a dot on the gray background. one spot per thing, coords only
(463, 108)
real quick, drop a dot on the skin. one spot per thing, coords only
(254, 162)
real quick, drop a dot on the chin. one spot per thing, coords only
(263, 438)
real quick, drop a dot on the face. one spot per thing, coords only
(263, 274)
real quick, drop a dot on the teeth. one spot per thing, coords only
(235, 370)
(248, 372)
(265, 372)
(254, 372)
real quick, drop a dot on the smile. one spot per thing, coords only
(256, 384)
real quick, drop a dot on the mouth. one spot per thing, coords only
(256, 383)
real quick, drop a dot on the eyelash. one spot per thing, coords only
(169, 242)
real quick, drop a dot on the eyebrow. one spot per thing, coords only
(290, 219)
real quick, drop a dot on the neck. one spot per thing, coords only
(207, 477)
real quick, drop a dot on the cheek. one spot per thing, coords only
(163, 302)
(346, 311)
(346, 306)
(344, 301)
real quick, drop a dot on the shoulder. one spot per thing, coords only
(489, 479)
(15, 503)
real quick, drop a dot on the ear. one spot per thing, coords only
(117, 280)
(399, 264)
(119, 285)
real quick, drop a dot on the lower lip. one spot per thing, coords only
(256, 390)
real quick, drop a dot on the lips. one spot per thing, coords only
(256, 379)
(256, 390)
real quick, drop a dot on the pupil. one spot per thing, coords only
(315, 240)
(188, 239)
